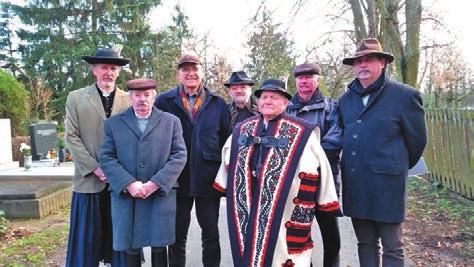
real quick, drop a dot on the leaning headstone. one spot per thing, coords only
(43, 139)
(6, 158)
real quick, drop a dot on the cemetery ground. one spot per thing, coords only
(439, 231)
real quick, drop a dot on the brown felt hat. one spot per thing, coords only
(306, 68)
(188, 59)
(368, 46)
(141, 84)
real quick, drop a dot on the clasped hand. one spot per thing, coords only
(142, 190)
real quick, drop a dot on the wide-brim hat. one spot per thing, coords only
(273, 85)
(141, 84)
(107, 56)
(306, 68)
(239, 77)
(368, 46)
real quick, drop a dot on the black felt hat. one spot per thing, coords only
(239, 77)
(273, 85)
(107, 56)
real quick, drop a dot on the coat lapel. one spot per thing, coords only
(373, 97)
(155, 118)
(120, 100)
(94, 99)
(131, 121)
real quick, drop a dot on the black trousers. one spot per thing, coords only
(331, 239)
(207, 214)
(370, 234)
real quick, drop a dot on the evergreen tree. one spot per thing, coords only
(56, 34)
(270, 52)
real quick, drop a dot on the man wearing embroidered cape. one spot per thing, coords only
(275, 175)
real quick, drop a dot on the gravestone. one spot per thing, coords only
(6, 159)
(43, 139)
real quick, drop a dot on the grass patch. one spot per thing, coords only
(434, 204)
(39, 240)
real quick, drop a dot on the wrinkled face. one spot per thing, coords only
(190, 75)
(142, 100)
(306, 85)
(240, 93)
(105, 75)
(368, 69)
(271, 104)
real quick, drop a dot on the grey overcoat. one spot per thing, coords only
(127, 155)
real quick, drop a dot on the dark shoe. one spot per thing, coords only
(133, 260)
(159, 257)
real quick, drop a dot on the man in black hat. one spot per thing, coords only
(205, 120)
(276, 176)
(310, 104)
(90, 234)
(243, 105)
(384, 135)
(143, 182)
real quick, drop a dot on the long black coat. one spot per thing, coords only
(381, 142)
(204, 138)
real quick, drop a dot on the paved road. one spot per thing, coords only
(348, 254)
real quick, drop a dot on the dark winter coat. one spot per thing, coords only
(381, 142)
(204, 138)
(127, 155)
(323, 112)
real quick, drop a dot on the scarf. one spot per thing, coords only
(200, 97)
(357, 88)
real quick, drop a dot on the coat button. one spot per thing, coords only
(141, 165)
(354, 136)
(354, 153)
(353, 169)
(359, 121)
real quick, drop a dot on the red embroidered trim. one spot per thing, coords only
(296, 225)
(288, 263)
(304, 175)
(226, 166)
(308, 188)
(307, 204)
(218, 187)
(300, 250)
(329, 206)
(298, 239)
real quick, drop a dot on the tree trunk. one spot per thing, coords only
(412, 46)
(359, 24)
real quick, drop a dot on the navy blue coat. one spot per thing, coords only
(322, 111)
(204, 138)
(381, 142)
(127, 155)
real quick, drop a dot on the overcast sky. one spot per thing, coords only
(225, 21)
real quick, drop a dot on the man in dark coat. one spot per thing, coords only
(310, 104)
(90, 237)
(142, 155)
(384, 135)
(205, 120)
(243, 105)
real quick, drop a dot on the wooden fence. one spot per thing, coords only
(450, 149)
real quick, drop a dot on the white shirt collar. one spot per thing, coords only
(147, 116)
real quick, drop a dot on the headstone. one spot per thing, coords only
(43, 139)
(6, 158)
